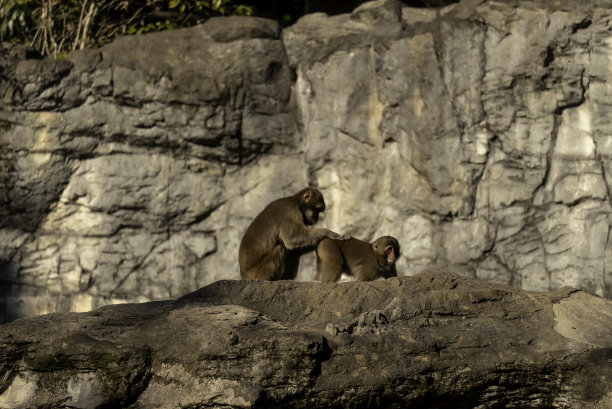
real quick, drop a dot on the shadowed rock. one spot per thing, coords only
(437, 339)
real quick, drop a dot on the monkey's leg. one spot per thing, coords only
(329, 262)
(271, 267)
(317, 276)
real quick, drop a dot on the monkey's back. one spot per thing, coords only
(353, 256)
(262, 235)
(359, 257)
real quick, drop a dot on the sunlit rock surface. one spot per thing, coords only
(478, 134)
(434, 340)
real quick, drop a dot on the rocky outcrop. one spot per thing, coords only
(125, 169)
(436, 339)
(477, 134)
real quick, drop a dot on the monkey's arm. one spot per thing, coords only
(390, 272)
(300, 237)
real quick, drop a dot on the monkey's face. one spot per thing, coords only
(310, 217)
(392, 253)
(387, 247)
(312, 205)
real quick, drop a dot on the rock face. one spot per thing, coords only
(436, 339)
(478, 134)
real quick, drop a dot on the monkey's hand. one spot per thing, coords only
(337, 236)
(307, 237)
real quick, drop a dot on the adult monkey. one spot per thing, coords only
(271, 246)
(365, 261)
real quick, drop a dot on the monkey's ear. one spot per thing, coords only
(307, 196)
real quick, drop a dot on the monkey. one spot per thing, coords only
(365, 261)
(274, 241)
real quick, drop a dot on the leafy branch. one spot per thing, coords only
(56, 27)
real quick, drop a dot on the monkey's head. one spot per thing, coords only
(311, 204)
(387, 248)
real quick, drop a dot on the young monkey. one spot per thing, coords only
(365, 261)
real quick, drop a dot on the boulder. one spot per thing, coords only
(436, 339)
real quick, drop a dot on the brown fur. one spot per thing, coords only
(365, 261)
(271, 246)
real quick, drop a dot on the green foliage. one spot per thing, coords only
(15, 17)
(157, 26)
(56, 27)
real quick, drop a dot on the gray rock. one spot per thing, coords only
(437, 339)
(478, 134)
(226, 29)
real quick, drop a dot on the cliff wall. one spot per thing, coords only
(478, 134)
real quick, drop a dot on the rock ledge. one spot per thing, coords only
(436, 339)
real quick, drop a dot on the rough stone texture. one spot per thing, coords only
(478, 134)
(437, 339)
(129, 171)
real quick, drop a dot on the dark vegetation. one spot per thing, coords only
(56, 27)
